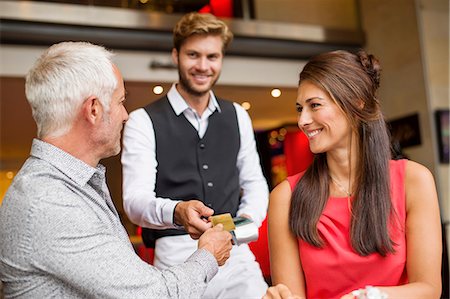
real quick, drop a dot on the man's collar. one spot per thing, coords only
(179, 105)
(74, 168)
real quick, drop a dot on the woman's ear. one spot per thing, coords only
(361, 104)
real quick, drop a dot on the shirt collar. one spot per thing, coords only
(72, 167)
(179, 105)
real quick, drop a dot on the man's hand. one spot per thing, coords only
(193, 215)
(218, 242)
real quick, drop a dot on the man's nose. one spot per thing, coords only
(202, 63)
(125, 114)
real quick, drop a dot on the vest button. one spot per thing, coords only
(202, 145)
(210, 184)
(205, 166)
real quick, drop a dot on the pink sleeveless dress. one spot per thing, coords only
(336, 269)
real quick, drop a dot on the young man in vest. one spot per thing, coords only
(190, 155)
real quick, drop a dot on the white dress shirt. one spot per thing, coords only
(139, 166)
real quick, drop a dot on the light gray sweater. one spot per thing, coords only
(61, 236)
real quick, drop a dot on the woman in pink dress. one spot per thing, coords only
(355, 224)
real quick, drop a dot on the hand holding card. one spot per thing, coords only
(242, 229)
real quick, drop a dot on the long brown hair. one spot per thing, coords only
(351, 80)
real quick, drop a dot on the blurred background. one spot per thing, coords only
(273, 40)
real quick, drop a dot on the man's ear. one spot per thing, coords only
(175, 56)
(92, 109)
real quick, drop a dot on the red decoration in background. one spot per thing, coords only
(146, 254)
(219, 8)
(260, 249)
(296, 150)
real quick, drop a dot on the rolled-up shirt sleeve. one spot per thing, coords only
(255, 192)
(139, 175)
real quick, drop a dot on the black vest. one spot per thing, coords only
(193, 168)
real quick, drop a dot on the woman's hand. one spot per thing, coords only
(280, 291)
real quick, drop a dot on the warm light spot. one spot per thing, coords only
(283, 131)
(6, 177)
(246, 105)
(143, 1)
(158, 89)
(275, 92)
(274, 134)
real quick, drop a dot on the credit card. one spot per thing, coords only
(225, 219)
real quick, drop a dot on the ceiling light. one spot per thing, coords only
(275, 92)
(246, 105)
(158, 89)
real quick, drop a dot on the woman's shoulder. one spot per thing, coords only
(281, 194)
(282, 188)
(412, 173)
(416, 171)
(410, 167)
(419, 183)
(293, 179)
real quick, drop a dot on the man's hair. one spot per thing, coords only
(202, 24)
(63, 77)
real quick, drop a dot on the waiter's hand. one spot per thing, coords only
(193, 215)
